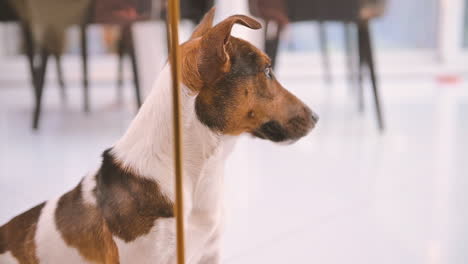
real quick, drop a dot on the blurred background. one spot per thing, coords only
(382, 179)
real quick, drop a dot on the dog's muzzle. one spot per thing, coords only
(294, 129)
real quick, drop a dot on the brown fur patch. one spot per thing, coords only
(17, 236)
(242, 99)
(190, 75)
(130, 204)
(82, 227)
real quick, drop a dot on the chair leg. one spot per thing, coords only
(325, 54)
(29, 45)
(350, 54)
(39, 81)
(84, 61)
(120, 62)
(272, 44)
(61, 82)
(367, 49)
(133, 59)
(362, 63)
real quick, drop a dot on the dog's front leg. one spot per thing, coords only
(202, 238)
(212, 251)
(205, 220)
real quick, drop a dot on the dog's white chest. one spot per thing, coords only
(158, 246)
(203, 205)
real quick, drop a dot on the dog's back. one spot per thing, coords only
(17, 237)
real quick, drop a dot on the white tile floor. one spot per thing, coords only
(344, 194)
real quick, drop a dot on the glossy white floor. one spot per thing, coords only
(344, 194)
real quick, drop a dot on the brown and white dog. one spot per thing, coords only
(123, 211)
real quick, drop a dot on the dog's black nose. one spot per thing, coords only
(314, 116)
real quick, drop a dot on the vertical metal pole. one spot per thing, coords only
(174, 58)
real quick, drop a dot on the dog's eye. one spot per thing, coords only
(268, 72)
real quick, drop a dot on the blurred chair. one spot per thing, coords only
(121, 13)
(275, 14)
(194, 10)
(349, 12)
(45, 33)
(12, 12)
(47, 37)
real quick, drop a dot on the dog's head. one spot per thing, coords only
(237, 90)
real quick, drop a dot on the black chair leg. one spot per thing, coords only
(325, 54)
(369, 59)
(61, 82)
(133, 59)
(84, 61)
(271, 43)
(350, 53)
(29, 45)
(39, 81)
(120, 62)
(362, 63)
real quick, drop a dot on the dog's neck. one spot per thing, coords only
(147, 146)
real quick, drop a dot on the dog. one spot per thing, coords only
(123, 211)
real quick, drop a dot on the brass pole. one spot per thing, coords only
(174, 58)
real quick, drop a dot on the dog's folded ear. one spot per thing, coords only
(205, 25)
(214, 59)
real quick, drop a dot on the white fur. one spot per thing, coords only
(148, 148)
(156, 247)
(50, 247)
(7, 258)
(87, 189)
